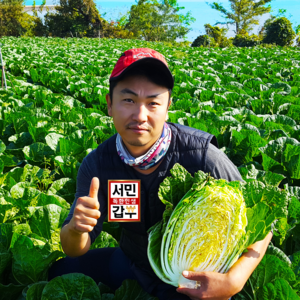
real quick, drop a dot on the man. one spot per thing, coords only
(146, 147)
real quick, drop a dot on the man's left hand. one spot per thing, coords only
(213, 286)
(217, 286)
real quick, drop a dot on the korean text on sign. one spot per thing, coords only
(124, 200)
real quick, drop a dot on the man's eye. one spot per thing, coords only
(127, 100)
(154, 103)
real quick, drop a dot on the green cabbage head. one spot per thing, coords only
(207, 229)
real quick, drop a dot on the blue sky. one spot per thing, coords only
(200, 10)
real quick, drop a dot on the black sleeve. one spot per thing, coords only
(88, 170)
(220, 166)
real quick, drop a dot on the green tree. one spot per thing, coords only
(243, 39)
(297, 30)
(115, 30)
(278, 31)
(204, 41)
(243, 13)
(219, 35)
(152, 20)
(74, 17)
(214, 37)
(80, 18)
(14, 21)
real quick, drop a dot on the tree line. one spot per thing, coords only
(150, 20)
(243, 14)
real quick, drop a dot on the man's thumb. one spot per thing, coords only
(94, 187)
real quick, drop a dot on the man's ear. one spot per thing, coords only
(167, 115)
(108, 101)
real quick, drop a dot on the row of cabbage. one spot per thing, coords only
(54, 113)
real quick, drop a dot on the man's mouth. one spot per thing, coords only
(138, 129)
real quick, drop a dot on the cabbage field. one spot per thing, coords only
(54, 113)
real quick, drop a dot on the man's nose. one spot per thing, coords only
(140, 113)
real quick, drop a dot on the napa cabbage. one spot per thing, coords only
(208, 223)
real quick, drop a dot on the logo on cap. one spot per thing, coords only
(142, 54)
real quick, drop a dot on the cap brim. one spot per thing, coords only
(151, 62)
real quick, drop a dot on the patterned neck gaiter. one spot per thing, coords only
(152, 157)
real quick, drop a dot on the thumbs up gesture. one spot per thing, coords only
(86, 211)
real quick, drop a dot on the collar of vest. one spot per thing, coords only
(184, 134)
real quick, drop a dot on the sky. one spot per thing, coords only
(200, 10)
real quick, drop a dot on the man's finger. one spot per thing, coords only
(194, 275)
(189, 292)
(94, 187)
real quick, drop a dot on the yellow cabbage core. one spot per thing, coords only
(207, 235)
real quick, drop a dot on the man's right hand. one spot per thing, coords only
(86, 211)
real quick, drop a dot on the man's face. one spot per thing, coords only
(139, 110)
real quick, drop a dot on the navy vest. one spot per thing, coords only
(188, 148)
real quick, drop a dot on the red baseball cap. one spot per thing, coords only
(145, 57)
